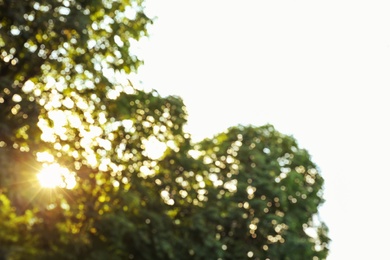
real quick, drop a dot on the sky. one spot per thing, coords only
(316, 70)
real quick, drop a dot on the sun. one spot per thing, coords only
(56, 176)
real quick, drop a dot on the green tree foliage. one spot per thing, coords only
(57, 60)
(136, 186)
(267, 191)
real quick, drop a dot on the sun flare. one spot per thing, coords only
(54, 175)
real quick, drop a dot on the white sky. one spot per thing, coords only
(317, 70)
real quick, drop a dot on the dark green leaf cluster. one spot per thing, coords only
(267, 191)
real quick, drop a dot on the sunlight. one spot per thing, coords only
(154, 149)
(54, 175)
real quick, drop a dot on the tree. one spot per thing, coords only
(57, 60)
(65, 99)
(267, 191)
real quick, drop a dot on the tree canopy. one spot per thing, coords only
(131, 184)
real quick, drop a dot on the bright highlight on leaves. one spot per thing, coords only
(54, 175)
(154, 149)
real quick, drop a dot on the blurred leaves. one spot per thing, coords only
(144, 190)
